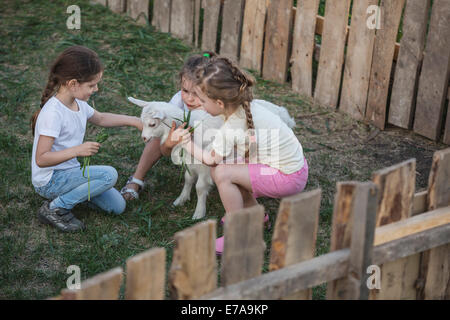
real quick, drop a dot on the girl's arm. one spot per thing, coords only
(46, 158)
(210, 159)
(104, 119)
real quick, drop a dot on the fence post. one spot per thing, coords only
(294, 237)
(138, 10)
(210, 24)
(104, 286)
(361, 247)
(161, 15)
(182, 19)
(396, 185)
(243, 254)
(193, 272)
(146, 273)
(435, 263)
(231, 28)
(117, 6)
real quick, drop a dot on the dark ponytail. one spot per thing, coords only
(76, 62)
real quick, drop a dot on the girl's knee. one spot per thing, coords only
(120, 207)
(110, 175)
(219, 173)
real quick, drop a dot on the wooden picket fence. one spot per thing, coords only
(382, 222)
(356, 64)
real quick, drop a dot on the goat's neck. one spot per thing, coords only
(167, 127)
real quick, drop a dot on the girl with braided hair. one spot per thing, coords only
(255, 153)
(59, 128)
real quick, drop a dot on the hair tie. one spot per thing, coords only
(207, 55)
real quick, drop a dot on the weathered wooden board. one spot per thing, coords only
(358, 62)
(244, 246)
(332, 52)
(138, 10)
(102, 2)
(446, 138)
(193, 272)
(397, 187)
(182, 20)
(303, 47)
(146, 274)
(383, 56)
(117, 6)
(104, 286)
(231, 28)
(341, 230)
(435, 264)
(253, 34)
(295, 234)
(433, 82)
(210, 24)
(161, 15)
(402, 106)
(276, 47)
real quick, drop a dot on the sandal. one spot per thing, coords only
(133, 193)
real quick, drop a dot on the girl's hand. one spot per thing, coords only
(87, 149)
(176, 135)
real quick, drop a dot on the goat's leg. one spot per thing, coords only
(203, 185)
(185, 195)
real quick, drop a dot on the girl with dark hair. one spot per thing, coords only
(59, 128)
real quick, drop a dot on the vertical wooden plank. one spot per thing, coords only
(102, 2)
(433, 82)
(193, 272)
(303, 46)
(253, 34)
(396, 187)
(420, 204)
(104, 286)
(446, 138)
(197, 8)
(341, 230)
(383, 55)
(358, 62)
(210, 24)
(276, 47)
(231, 28)
(401, 109)
(362, 238)
(117, 6)
(435, 264)
(138, 10)
(161, 15)
(182, 20)
(332, 52)
(146, 274)
(294, 237)
(244, 246)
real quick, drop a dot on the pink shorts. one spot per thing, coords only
(269, 182)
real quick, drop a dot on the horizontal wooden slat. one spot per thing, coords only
(331, 266)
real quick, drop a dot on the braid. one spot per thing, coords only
(248, 115)
(52, 83)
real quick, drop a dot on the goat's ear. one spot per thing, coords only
(138, 102)
(159, 115)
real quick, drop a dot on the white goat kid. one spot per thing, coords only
(157, 119)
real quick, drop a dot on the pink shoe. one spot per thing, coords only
(266, 221)
(219, 246)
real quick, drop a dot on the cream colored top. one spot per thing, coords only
(277, 145)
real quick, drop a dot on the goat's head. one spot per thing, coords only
(152, 117)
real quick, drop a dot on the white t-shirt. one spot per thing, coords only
(67, 127)
(277, 145)
(178, 101)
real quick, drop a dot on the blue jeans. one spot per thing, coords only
(68, 187)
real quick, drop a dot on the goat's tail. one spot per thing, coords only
(284, 115)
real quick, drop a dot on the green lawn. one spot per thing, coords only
(141, 63)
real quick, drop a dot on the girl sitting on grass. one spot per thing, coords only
(59, 129)
(274, 165)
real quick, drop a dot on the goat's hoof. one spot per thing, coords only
(179, 202)
(198, 215)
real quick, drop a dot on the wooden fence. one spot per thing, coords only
(383, 223)
(361, 71)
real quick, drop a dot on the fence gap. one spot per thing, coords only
(146, 274)
(243, 254)
(295, 234)
(193, 272)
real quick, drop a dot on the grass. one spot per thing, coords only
(142, 63)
